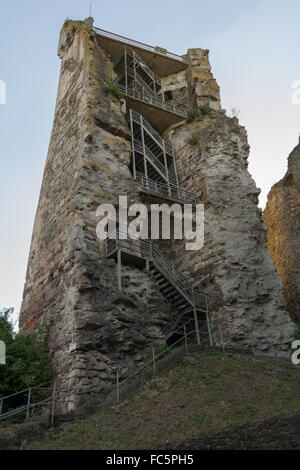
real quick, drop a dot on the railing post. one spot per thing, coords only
(28, 403)
(197, 326)
(119, 271)
(144, 149)
(166, 164)
(53, 402)
(132, 143)
(154, 365)
(251, 341)
(118, 385)
(162, 90)
(125, 65)
(1, 404)
(222, 340)
(185, 339)
(209, 330)
(134, 66)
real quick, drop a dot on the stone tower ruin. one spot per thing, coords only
(125, 124)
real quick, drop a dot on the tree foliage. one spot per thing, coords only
(27, 358)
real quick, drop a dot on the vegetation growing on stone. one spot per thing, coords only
(113, 89)
(201, 110)
(194, 139)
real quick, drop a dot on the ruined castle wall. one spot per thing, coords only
(282, 219)
(69, 281)
(196, 85)
(234, 267)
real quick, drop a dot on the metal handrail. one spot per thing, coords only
(140, 80)
(29, 405)
(169, 191)
(136, 61)
(147, 250)
(25, 408)
(152, 132)
(156, 356)
(140, 61)
(157, 102)
(147, 47)
(154, 160)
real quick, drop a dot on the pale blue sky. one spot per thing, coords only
(254, 48)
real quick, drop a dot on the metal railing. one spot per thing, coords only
(30, 404)
(139, 61)
(157, 102)
(141, 45)
(154, 160)
(155, 357)
(166, 191)
(230, 339)
(136, 117)
(147, 250)
(139, 80)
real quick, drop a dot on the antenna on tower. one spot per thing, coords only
(90, 9)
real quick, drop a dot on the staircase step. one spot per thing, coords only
(178, 301)
(182, 307)
(168, 289)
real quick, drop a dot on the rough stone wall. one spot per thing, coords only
(282, 219)
(234, 267)
(69, 280)
(196, 85)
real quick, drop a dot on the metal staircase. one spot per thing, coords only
(136, 80)
(154, 168)
(153, 161)
(187, 302)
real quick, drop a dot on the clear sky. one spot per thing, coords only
(254, 51)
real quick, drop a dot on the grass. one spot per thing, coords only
(217, 392)
(113, 89)
(195, 113)
(194, 139)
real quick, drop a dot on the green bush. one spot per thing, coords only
(27, 361)
(113, 89)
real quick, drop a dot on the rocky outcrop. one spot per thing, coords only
(196, 85)
(282, 219)
(234, 267)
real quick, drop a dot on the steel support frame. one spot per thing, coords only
(119, 270)
(197, 326)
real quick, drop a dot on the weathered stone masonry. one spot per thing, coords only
(70, 281)
(234, 267)
(282, 219)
